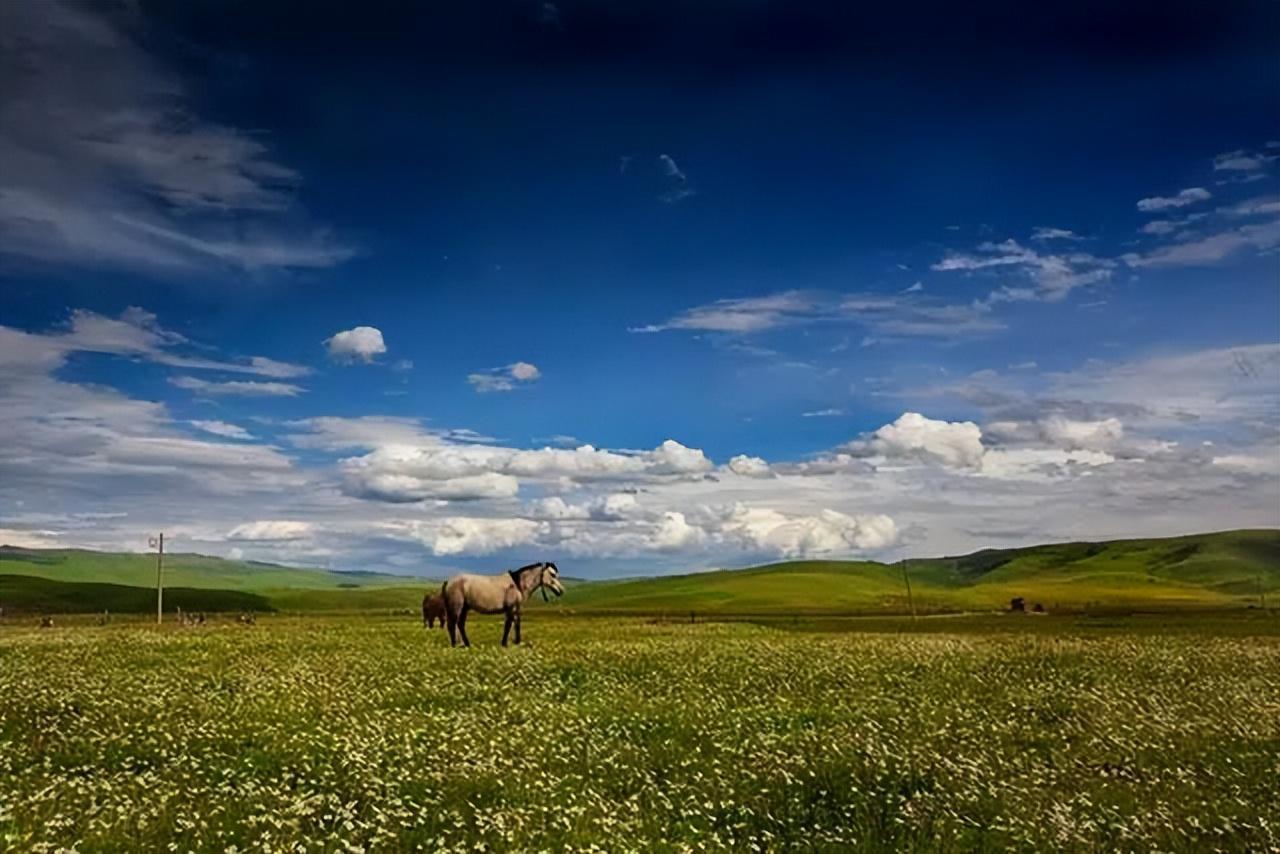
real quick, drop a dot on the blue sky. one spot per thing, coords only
(890, 284)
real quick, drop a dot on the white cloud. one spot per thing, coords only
(505, 378)
(764, 529)
(749, 314)
(749, 466)
(1051, 276)
(1189, 196)
(1043, 233)
(222, 428)
(1241, 161)
(524, 372)
(361, 344)
(268, 529)
(674, 533)
(457, 535)
(822, 413)
(419, 471)
(1074, 435)
(915, 437)
(1212, 248)
(237, 388)
(898, 315)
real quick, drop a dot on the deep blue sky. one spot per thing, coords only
(494, 183)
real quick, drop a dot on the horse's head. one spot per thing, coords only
(550, 580)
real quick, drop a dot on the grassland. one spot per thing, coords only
(350, 734)
(1227, 570)
(180, 570)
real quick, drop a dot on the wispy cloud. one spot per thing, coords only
(1241, 160)
(1186, 197)
(1210, 248)
(896, 315)
(237, 388)
(506, 378)
(1047, 275)
(658, 176)
(1044, 234)
(107, 164)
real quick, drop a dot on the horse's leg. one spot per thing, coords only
(451, 620)
(462, 625)
(506, 626)
(517, 627)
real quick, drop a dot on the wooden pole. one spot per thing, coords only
(160, 581)
(907, 578)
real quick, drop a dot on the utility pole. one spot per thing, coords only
(907, 578)
(158, 543)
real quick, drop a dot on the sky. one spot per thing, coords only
(638, 288)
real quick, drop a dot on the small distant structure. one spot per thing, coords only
(1018, 605)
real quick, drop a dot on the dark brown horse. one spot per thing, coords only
(433, 609)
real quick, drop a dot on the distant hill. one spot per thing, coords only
(1220, 569)
(28, 594)
(180, 570)
(1226, 569)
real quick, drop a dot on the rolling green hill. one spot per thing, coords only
(1221, 569)
(30, 594)
(1227, 569)
(180, 570)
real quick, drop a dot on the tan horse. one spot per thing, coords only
(496, 594)
(432, 610)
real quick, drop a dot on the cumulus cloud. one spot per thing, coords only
(1059, 431)
(767, 530)
(914, 437)
(361, 344)
(674, 533)
(749, 466)
(506, 378)
(415, 472)
(480, 536)
(1186, 197)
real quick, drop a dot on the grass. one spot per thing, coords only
(23, 593)
(333, 734)
(180, 570)
(1224, 570)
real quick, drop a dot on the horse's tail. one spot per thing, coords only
(443, 585)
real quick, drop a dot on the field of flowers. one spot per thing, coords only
(341, 734)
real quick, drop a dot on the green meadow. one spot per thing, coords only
(1227, 570)
(330, 733)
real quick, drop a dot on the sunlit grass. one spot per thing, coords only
(347, 734)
